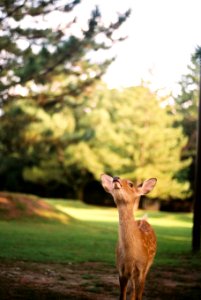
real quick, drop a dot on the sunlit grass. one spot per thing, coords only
(173, 230)
(91, 235)
(87, 212)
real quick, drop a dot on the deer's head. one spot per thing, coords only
(124, 191)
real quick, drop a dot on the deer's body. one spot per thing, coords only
(137, 241)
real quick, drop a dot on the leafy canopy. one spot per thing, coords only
(119, 132)
(59, 124)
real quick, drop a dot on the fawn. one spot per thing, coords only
(137, 241)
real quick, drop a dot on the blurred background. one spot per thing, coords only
(89, 88)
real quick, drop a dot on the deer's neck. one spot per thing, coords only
(128, 229)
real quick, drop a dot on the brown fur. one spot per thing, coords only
(137, 241)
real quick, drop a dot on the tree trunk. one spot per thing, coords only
(197, 201)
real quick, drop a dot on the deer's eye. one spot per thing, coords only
(130, 184)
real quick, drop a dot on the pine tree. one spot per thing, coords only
(150, 142)
(196, 240)
(186, 105)
(34, 50)
(47, 78)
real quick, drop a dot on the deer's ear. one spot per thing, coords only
(147, 186)
(106, 182)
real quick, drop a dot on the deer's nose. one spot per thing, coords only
(115, 178)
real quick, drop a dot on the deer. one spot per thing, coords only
(137, 241)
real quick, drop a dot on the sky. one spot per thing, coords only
(162, 36)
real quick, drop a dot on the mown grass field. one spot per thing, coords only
(90, 234)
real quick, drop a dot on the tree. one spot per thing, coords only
(197, 202)
(65, 147)
(186, 106)
(149, 141)
(35, 51)
(66, 127)
(124, 132)
(47, 78)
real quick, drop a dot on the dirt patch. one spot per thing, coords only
(25, 280)
(18, 206)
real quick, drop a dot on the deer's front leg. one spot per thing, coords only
(123, 281)
(133, 294)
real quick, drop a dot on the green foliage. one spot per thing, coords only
(187, 102)
(35, 48)
(186, 105)
(68, 127)
(114, 133)
(52, 64)
(146, 136)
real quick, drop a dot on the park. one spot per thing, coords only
(99, 184)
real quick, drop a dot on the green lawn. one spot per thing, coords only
(91, 235)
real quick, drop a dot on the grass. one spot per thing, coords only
(91, 235)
